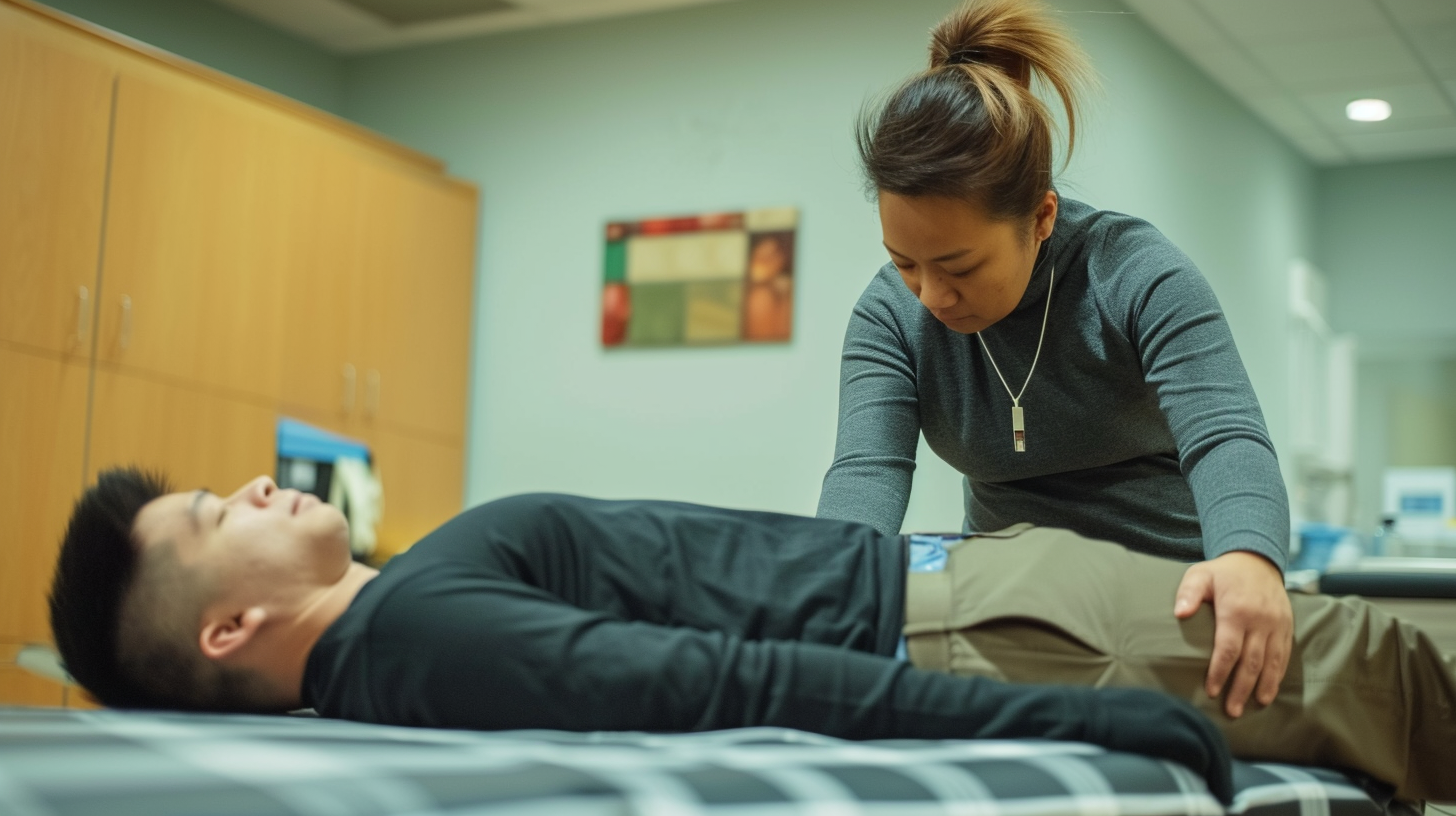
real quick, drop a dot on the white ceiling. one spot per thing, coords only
(343, 27)
(1294, 63)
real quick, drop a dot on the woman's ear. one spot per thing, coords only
(224, 636)
(1046, 215)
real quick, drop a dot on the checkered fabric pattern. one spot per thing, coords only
(121, 763)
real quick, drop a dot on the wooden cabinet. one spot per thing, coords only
(419, 332)
(20, 687)
(393, 351)
(322, 297)
(55, 112)
(243, 257)
(196, 437)
(43, 436)
(422, 486)
(199, 218)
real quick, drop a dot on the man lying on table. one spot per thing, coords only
(549, 611)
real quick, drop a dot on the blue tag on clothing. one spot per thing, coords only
(927, 551)
(927, 554)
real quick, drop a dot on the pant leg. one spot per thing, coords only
(1364, 690)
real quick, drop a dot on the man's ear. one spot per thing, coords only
(224, 636)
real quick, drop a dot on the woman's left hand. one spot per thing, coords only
(1253, 625)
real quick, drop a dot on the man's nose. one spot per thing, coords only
(256, 491)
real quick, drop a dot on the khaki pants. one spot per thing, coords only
(1364, 690)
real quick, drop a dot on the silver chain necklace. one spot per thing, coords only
(1018, 417)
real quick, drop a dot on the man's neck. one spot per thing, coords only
(303, 631)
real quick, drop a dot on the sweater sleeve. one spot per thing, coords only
(1188, 355)
(496, 654)
(879, 421)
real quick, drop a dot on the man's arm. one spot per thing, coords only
(492, 654)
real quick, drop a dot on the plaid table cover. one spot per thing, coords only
(56, 762)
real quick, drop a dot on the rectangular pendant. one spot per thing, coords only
(1018, 428)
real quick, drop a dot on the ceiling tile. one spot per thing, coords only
(1436, 45)
(568, 10)
(1408, 144)
(344, 27)
(1178, 21)
(1231, 69)
(1320, 149)
(1284, 21)
(1390, 126)
(1296, 63)
(1422, 103)
(1329, 64)
(404, 12)
(1288, 120)
(1282, 114)
(330, 23)
(1418, 13)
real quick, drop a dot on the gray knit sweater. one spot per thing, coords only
(1141, 424)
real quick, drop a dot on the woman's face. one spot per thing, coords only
(966, 268)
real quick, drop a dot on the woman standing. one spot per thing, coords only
(1072, 363)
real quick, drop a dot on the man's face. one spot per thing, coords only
(966, 268)
(259, 543)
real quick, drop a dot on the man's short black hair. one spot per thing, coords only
(97, 565)
(125, 618)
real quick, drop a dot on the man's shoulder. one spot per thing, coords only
(508, 514)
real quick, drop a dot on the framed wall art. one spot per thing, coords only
(700, 279)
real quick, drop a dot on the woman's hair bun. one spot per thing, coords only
(971, 127)
(1013, 36)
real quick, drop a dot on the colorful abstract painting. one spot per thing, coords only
(700, 280)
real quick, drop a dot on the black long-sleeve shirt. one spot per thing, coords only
(546, 611)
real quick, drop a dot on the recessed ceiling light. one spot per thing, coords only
(1368, 110)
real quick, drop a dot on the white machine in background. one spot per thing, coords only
(1422, 500)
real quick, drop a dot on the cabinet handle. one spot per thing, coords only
(83, 315)
(371, 393)
(348, 387)
(125, 322)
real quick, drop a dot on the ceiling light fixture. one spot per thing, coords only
(1368, 110)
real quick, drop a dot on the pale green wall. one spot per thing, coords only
(1387, 239)
(750, 104)
(741, 104)
(221, 38)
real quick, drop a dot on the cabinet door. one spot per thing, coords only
(419, 265)
(198, 439)
(55, 109)
(424, 340)
(199, 226)
(323, 291)
(20, 687)
(424, 487)
(43, 436)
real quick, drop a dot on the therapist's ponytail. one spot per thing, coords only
(969, 127)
